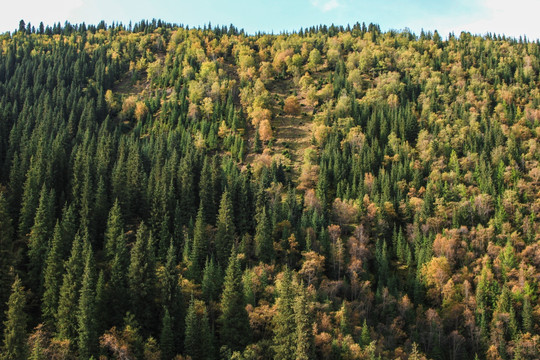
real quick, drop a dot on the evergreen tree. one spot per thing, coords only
(285, 335)
(142, 279)
(304, 332)
(166, 340)
(264, 247)
(198, 340)
(171, 293)
(66, 317)
(6, 254)
(15, 336)
(86, 314)
(114, 232)
(38, 241)
(211, 282)
(53, 276)
(234, 332)
(225, 229)
(200, 245)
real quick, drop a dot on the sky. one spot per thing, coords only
(512, 18)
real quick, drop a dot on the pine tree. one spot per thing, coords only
(264, 247)
(304, 332)
(66, 319)
(38, 242)
(6, 254)
(211, 282)
(142, 279)
(171, 294)
(234, 332)
(225, 230)
(285, 335)
(53, 276)
(200, 245)
(114, 232)
(86, 314)
(365, 337)
(166, 340)
(14, 346)
(198, 341)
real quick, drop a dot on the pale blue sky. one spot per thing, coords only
(513, 18)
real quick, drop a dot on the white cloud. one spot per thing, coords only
(325, 6)
(514, 18)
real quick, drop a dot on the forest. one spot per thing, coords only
(336, 192)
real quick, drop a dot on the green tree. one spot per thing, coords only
(6, 254)
(86, 314)
(264, 247)
(166, 340)
(200, 245)
(114, 232)
(66, 317)
(304, 332)
(285, 336)
(14, 346)
(198, 341)
(38, 240)
(142, 279)
(234, 332)
(53, 276)
(225, 229)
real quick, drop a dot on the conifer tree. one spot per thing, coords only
(6, 254)
(234, 332)
(53, 276)
(264, 247)
(39, 239)
(198, 341)
(304, 332)
(211, 282)
(171, 293)
(87, 331)
(114, 231)
(166, 340)
(200, 245)
(14, 345)
(142, 279)
(285, 336)
(68, 300)
(225, 229)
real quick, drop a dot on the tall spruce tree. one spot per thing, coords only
(142, 279)
(6, 255)
(225, 230)
(285, 336)
(234, 331)
(264, 247)
(15, 335)
(87, 340)
(198, 342)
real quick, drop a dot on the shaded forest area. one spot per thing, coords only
(331, 193)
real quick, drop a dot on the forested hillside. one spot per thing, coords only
(332, 193)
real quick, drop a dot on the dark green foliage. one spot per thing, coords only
(225, 230)
(86, 314)
(198, 341)
(234, 331)
(6, 255)
(142, 279)
(14, 346)
(264, 248)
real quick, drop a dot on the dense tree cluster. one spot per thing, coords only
(153, 205)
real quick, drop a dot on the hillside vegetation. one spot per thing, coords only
(332, 193)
